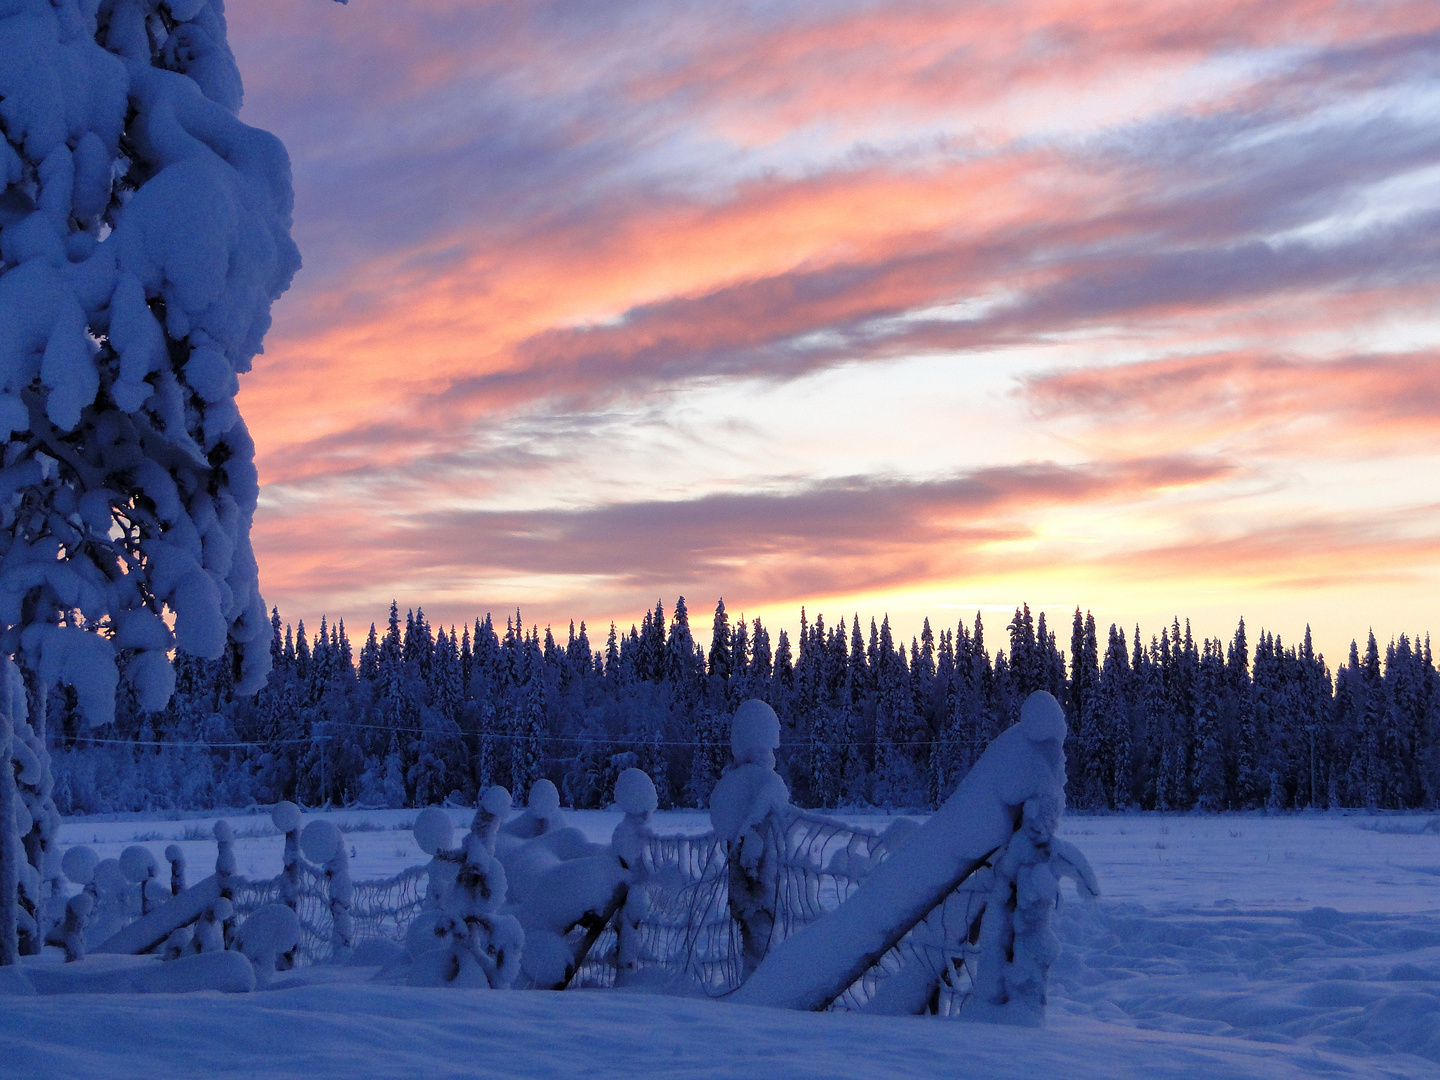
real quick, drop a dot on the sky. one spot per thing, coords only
(868, 306)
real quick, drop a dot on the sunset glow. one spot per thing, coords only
(867, 306)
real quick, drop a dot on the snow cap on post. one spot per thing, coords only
(285, 816)
(79, 864)
(1042, 719)
(138, 863)
(433, 830)
(635, 792)
(755, 734)
(321, 841)
(544, 797)
(496, 800)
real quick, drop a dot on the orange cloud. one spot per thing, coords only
(1359, 405)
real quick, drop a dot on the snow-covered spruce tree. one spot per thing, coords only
(144, 233)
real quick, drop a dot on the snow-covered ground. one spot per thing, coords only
(1223, 947)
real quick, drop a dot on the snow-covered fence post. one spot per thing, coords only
(490, 814)
(225, 876)
(285, 816)
(175, 856)
(325, 844)
(434, 832)
(634, 794)
(743, 807)
(144, 233)
(1026, 762)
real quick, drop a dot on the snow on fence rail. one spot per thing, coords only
(775, 905)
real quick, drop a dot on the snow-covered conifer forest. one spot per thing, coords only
(418, 714)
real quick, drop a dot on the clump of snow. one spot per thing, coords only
(70, 934)
(755, 734)
(635, 792)
(322, 841)
(138, 864)
(433, 830)
(139, 867)
(542, 813)
(79, 863)
(270, 931)
(285, 816)
(210, 927)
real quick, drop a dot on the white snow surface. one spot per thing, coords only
(1237, 946)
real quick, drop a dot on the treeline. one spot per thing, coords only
(420, 714)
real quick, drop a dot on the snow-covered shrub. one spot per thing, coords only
(1017, 944)
(467, 940)
(144, 233)
(740, 811)
(323, 843)
(269, 933)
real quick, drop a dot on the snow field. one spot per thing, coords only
(1229, 946)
